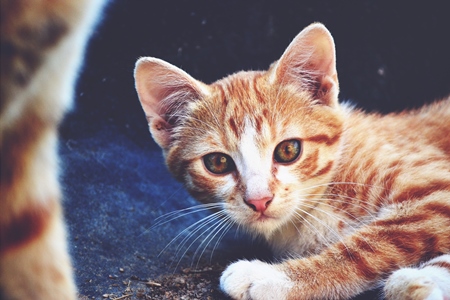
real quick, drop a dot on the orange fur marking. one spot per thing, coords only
(26, 227)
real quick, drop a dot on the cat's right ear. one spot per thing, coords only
(164, 92)
(309, 63)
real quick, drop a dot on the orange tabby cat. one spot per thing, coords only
(42, 43)
(350, 200)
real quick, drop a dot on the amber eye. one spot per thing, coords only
(287, 151)
(218, 163)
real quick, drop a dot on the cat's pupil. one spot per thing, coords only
(287, 151)
(218, 163)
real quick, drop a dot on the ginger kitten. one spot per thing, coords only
(349, 200)
(42, 46)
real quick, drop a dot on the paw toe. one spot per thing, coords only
(254, 280)
(412, 284)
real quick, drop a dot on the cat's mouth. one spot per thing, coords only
(262, 217)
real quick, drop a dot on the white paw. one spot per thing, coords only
(412, 284)
(255, 280)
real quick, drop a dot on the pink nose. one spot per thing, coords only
(259, 205)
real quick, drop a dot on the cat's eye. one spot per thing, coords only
(287, 151)
(219, 163)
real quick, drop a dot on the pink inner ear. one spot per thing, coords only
(163, 87)
(310, 63)
(164, 91)
(160, 131)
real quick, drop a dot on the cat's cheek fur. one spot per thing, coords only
(255, 279)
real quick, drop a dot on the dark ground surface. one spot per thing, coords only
(391, 55)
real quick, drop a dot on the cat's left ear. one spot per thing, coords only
(309, 63)
(165, 92)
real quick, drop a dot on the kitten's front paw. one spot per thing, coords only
(412, 284)
(255, 280)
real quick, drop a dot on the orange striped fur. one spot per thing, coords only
(367, 196)
(42, 43)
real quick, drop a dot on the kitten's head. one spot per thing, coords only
(258, 142)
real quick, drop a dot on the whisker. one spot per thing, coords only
(342, 183)
(217, 229)
(339, 237)
(311, 226)
(199, 225)
(346, 212)
(296, 228)
(186, 239)
(166, 218)
(186, 230)
(343, 201)
(219, 239)
(212, 230)
(339, 219)
(170, 196)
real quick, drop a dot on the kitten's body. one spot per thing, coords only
(42, 43)
(349, 197)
